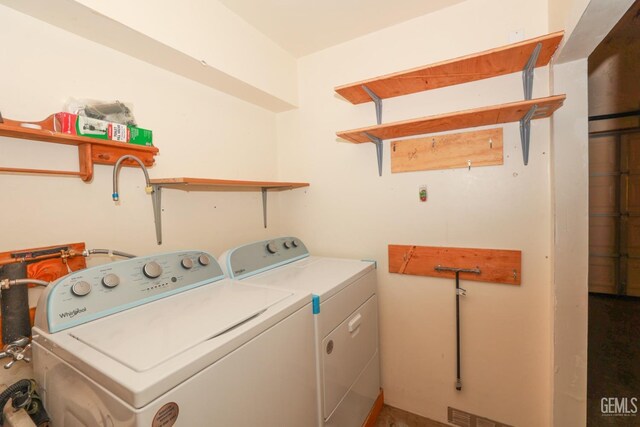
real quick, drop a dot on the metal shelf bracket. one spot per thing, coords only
(527, 72)
(264, 205)
(377, 101)
(378, 142)
(157, 214)
(156, 198)
(525, 132)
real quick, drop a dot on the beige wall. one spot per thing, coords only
(350, 211)
(200, 132)
(570, 163)
(201, 40)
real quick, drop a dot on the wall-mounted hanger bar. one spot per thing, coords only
(459, 292)
(495, 265)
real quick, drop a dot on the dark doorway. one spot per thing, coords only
(613, 378)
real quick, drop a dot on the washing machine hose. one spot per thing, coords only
(23, 395)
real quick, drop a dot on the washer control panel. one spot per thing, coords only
(257, 257)
(99, 291)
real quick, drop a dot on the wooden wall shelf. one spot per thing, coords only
(524, 56)
(204, 184)
(90, 150)
(490, 63)
(496, 114)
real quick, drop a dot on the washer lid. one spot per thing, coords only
(146, 336)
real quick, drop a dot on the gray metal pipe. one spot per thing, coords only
(116, 168)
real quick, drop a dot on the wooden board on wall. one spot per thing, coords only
(42, 264)
(455, 150)
(496, 265)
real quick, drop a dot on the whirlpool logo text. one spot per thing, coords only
(72, 313)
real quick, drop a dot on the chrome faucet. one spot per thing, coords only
(116, 168)
(16, 350)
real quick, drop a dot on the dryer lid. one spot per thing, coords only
(146, 336)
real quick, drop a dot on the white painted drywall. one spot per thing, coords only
(570, 168)
(207, 30)
(201, 40)
(200, 132)
(350, 211)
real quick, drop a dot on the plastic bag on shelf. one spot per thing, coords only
(115, 111)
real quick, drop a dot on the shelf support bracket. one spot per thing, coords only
(264, 206)
(378, 142)
(376, 100)
(525, 132)
(527, 72)
(157, 214)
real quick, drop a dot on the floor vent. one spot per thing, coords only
(465, 419)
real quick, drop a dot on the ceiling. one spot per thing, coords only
(302, 27)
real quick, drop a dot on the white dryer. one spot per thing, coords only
(166, 340)
(346, 319)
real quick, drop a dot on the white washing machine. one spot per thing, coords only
(167, 340)
(346, 319)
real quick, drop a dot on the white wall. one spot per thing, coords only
(570, 168)
(200, 132)
(201, 40)
(350, 211)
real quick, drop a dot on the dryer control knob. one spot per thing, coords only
(152, 270)
(110, 280)
(272, 248)
(81, 288)
(294, 243)
(186, 263)
(287, 245)
(204, 260)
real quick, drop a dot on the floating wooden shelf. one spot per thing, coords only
(194, 184)
(491, 63)
(90, 150)
(204, 184)
(496, 114)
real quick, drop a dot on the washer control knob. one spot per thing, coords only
(110, 280)
(272, 248)
(81, 288)
(287, 245)
(152, 270)
(186, 263)
(294, 243)
(204, 260)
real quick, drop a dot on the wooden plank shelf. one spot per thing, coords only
(90, 150)
(206, 184)
(496, 114)
(491, 63)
